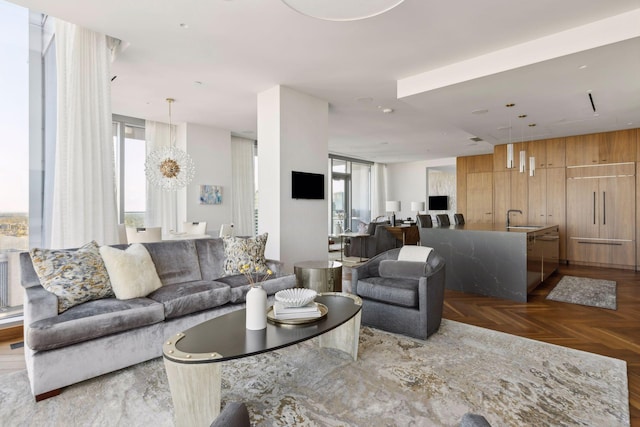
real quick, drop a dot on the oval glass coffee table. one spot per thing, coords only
(192, 358)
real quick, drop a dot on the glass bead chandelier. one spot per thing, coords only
(169, 168)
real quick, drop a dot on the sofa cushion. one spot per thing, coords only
(398, 291)
(92, 319)
(176, 261)
(132, 272)
(393, 269)
(241, 251)
(211, 257)
(240, 286)
(185, 298)
(73, 275)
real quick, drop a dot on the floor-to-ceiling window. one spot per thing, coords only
(14, 153)
(131, 183)
(350, 194)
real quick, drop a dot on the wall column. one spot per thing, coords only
(292, 136)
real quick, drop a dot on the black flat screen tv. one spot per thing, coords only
(438, 203)
(305, 185)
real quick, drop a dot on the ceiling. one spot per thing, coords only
(486, 54)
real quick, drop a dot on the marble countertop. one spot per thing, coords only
(501, 228)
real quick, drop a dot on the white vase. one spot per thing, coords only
(256, 308)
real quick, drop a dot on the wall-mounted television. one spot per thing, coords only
(305, 185)
(438, 203)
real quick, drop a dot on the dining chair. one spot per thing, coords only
(443, 220)
(194, 227)
(226, 230)
(144, 234)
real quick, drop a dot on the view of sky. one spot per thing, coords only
(14, 108)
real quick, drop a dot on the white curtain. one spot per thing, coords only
(378, 190)
(84, 198)
(162, 205)
(243, 188)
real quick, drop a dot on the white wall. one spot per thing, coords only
(210, 149)
(407, 182)
(292, 135)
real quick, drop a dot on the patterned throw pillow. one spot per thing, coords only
(73, 275)
(239, 251)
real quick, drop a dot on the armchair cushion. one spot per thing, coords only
(394, 291)
(403, 269)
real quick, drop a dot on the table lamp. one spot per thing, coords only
(393, 207)
(417, 207)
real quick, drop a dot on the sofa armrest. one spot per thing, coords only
(39, 304)
(277, 267)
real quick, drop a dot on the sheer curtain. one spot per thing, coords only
(84, 198)
(378, 190)
(243, 188)
(162, 205)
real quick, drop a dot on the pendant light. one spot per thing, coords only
(169, 168)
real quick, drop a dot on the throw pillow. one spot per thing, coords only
(240, 251)
(73, 275)
(132, 271)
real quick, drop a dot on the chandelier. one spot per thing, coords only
(169, 168)
(342, 10)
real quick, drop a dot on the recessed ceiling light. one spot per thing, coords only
(582, 67)
(197, 83)
(184, 26)
(510, 105)
(522, 116)
(481, 111)
(387, 110)
(532, 125)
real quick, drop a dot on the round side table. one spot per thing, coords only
(321, 276)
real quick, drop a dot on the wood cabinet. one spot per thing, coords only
(556, 153)
(601, 215)
(547, 206)
(479, 198)
(510, 192)
(601, 148)
(461, 185)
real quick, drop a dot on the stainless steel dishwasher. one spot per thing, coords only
(543, 255)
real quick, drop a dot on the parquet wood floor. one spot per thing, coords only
(596, 330)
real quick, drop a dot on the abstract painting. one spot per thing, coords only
(210, 195)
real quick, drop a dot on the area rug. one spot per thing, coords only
(585, 291)
(396, 381)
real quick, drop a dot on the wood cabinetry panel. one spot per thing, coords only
(556, 153)
(461, 185)
(556, 204)
(519, 197)
(583, 149)
(582, 208)
(480, 197)
(482, 163)
(538, 150)
(501, 196)
(617, 207)
(618, 146)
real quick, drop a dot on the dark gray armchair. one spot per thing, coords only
(378, 241)
(404, 297)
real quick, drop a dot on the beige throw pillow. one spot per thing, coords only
(132, 271)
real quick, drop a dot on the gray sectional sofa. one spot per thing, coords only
(101, 336)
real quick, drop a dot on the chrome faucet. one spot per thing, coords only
(509, 213)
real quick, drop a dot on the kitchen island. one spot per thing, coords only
(492, 260)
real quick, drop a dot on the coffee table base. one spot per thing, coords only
(196, 387)
(195, 391)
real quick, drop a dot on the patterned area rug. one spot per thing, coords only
(585, 291)
(396, 381)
